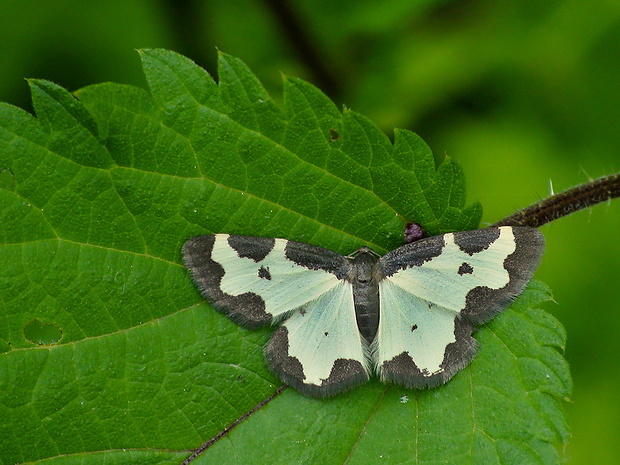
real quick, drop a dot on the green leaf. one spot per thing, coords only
(101, 193)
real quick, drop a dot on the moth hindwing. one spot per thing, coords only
(407, 316)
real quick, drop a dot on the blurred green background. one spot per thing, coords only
(520, 93)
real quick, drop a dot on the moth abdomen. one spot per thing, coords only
(365, 281)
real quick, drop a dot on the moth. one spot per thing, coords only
(407, 316)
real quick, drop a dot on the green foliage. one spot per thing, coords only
(101, 193)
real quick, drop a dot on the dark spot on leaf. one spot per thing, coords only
(326, 333)
(41, 333)
(413, 328)
(7, 179)
(334, 135)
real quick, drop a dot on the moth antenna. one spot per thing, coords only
(363, 249)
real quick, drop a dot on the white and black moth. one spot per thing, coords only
(407, 316)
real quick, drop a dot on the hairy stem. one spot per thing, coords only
(567, 202)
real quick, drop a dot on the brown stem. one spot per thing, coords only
(567, 202)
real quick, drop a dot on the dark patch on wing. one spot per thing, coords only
(402, 369)
(472, 242)
(255, 248)
(459, 353)
(465, 268)
(263, 273)
(410, 255)
(345, 373)
(246, 309)
(288, 368)
(317, 258)
(483, 303)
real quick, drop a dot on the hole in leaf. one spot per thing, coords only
(334, 135)
(42, 333)
(7, 179)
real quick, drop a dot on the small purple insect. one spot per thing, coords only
(413, 232)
